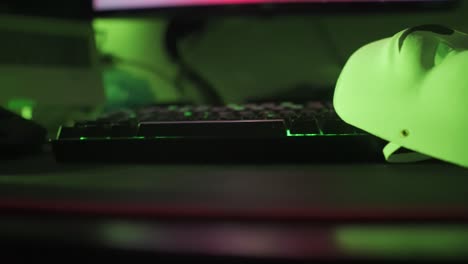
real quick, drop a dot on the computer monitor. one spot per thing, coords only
(70, 9)
(245, 6)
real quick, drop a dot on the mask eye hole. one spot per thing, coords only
(438, 29)
(442, 51)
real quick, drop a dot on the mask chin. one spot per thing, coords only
(395, 153)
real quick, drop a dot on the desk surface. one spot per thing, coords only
(320, 211)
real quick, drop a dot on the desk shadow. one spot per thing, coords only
(41, 164)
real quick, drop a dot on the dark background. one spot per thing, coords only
(262, 57)
(243, 57)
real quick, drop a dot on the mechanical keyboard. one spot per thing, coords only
(270, 132)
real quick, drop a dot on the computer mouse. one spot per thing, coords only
(410, 89)
(18, 136)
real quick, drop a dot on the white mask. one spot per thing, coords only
(412, 90)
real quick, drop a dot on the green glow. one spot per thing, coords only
(236, 107)
(23, 107)
(126, 235)
(289, 134)
(404, 242)
(167, 137)
(109, 138)
(125, 138)
(188, 114)
(27, 112)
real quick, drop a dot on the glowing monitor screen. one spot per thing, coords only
(115, 5)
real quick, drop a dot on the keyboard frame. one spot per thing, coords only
(289, 149)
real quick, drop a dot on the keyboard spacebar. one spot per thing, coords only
(238, 128)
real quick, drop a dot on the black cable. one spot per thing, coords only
(177, 30)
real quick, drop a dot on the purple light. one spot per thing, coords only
(109, 5)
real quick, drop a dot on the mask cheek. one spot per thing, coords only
(440, 111)
(446, 86)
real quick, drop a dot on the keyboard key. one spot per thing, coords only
(236, 107)
(69, 133)
(336, 126)
(228, 116)
(123, 131)
(288, 114)
(308, 113)
(201, 108)
(210, 116)
(269, 115)
(248, 115)
(254, 107)
(117, 116)
(155, 117)
(292, 106)
(304, 125)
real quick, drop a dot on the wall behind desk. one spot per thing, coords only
(259, 57)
